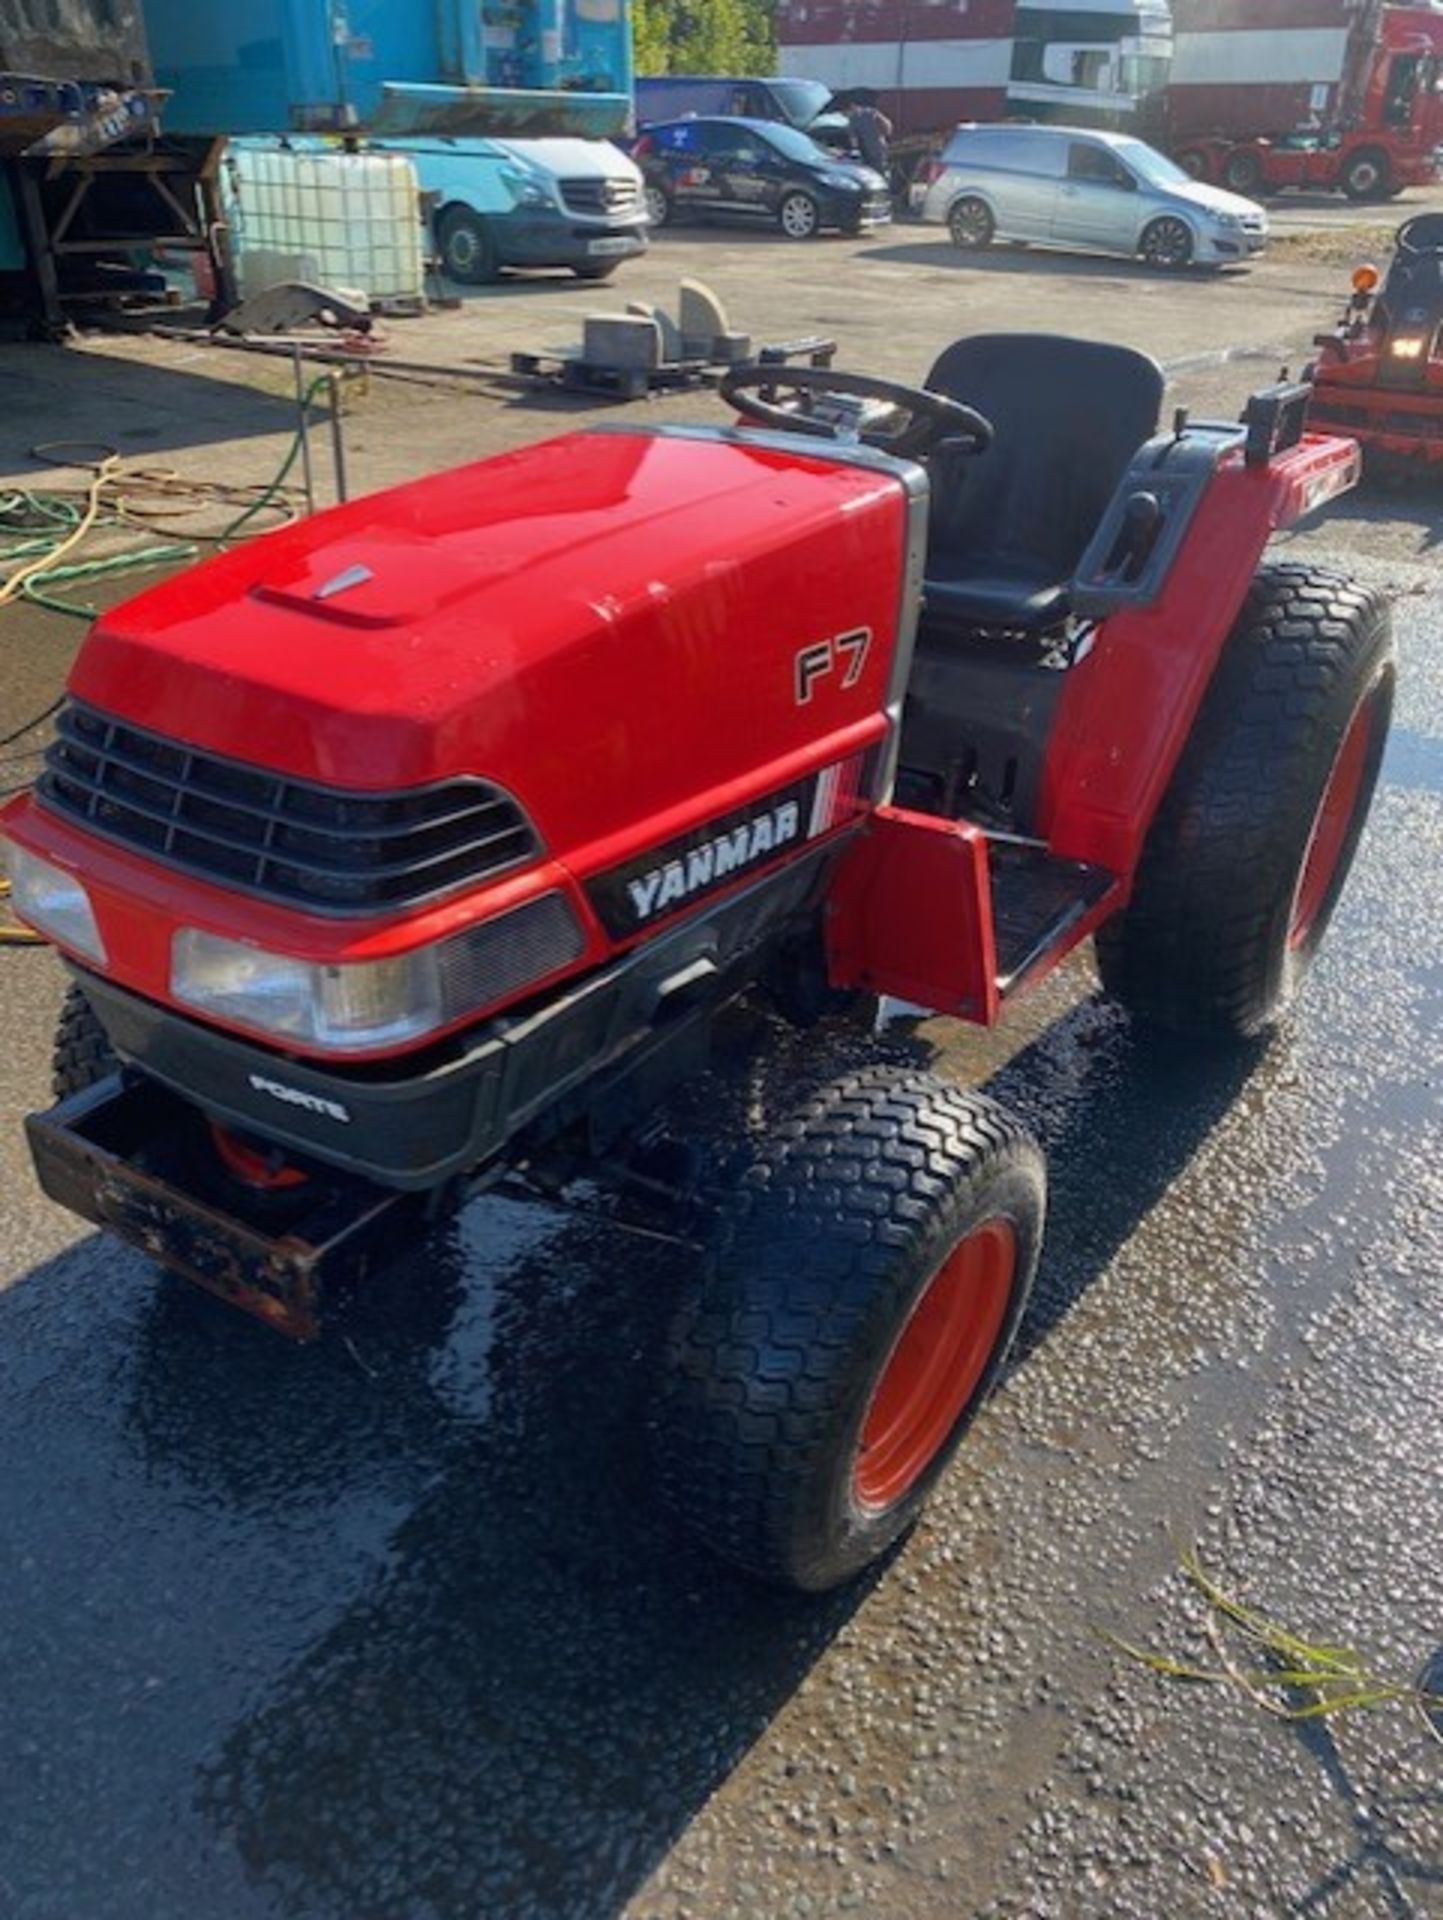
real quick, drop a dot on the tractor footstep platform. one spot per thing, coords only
(1037, 900)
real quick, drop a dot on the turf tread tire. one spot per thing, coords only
(82, 1053)
(1202, 945)
(817, 1252)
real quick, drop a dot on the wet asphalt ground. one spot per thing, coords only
(389, 1629)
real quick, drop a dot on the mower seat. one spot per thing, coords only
(1009, 526)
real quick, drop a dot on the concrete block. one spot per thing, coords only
(729, 349)
(624, 340)
(703, 320)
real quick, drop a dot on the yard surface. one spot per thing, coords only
(388, 1629)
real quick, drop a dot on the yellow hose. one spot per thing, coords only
(12, 934)
(42, 563)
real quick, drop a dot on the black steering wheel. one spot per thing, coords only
(1422, 234)
(931, 418)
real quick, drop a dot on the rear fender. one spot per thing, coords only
(1129, 705)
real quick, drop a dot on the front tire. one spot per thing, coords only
(799, 216)
(970, 224)
(1167, 243)
(1367, 175)
(1252, 843)
(865, 1283)
(82, 1054)
(657, 202)
(468, 248)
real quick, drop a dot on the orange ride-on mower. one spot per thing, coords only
(1379, 375)
(422, 844)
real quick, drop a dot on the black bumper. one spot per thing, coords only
(419, 1121)
(546, 239)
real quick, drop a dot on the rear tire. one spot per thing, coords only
(798, 216)
(1367, 175)
(1167, 243)
(866, 1280)
(82, 1054)
(657, 202)
(970, 224)
(1253, 840)
(468, 247)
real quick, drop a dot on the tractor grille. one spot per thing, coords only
(310, 846)
(1336, 413)
(600, 196)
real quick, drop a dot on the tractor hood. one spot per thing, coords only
(605, 624)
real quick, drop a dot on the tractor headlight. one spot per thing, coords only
(52, 901)
(362, 1003)
(1407, 348)
(356, 1005)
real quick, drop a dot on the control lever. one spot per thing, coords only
(1142, 519)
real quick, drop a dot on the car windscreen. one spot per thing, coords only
(793, 144)
(800, 100)
(1150, 165)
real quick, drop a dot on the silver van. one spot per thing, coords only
(1071, 187)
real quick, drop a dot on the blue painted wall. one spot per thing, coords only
(270, 66)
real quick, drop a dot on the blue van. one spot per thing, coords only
(530, 203)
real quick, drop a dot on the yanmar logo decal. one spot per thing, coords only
(298, 1097)
(661, 888)
(684, 871)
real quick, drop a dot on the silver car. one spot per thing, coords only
(1071, 187)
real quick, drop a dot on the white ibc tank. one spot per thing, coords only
(341, 220)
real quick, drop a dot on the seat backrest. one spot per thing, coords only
(1068, 415)
(1413, 292)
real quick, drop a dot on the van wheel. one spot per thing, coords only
(1367, 175)
(970, 223)
(799, 216)
(1167, 243)
(468, 248)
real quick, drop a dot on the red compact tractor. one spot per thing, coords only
(1379, 375)
(424, 842)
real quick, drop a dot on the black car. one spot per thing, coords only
(749, 170)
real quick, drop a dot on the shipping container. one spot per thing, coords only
(452, 66)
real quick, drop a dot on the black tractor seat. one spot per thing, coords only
(1009, 526)
(1013, 596)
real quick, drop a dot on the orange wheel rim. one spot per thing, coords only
(262, 1171)
(1329, 834)
(936, 1365)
